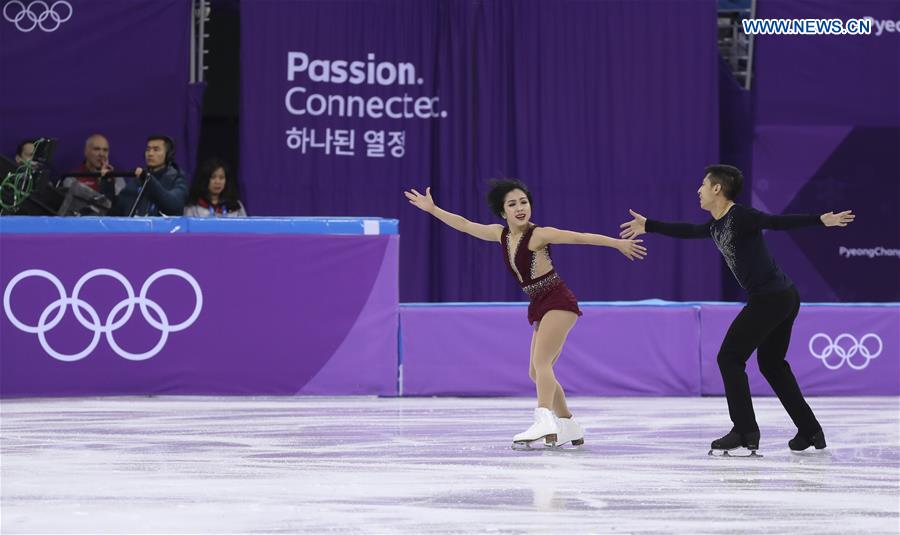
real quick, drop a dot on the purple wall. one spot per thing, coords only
(629, 349)
(483, 350)
(826, 138)
(598, 106)
(835, 350)
(287, 314)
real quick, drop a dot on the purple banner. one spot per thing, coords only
(79, 67)
(198, 314)
(828, 80)
(822, 169)
(403, 93)
(474, 350)
(826, 138)
(835, 350)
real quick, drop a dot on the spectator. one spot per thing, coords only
(214, 192)
(24, 151)
(96, 160)
(161, 189)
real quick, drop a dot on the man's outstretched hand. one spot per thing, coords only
(635, 227)
(841, 219)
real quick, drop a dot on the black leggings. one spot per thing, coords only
(763, 324)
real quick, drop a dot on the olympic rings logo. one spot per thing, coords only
(845, 347)
(45, 323)
(34, 19)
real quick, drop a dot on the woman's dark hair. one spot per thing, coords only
(200, 185)
(729, 177)
(499, 188)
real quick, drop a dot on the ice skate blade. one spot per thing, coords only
(811, 452)
(735, 453)
(565, 447)
(538, 446)
(548, 441)
(573, 443)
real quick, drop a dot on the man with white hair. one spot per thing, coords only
(96, 160)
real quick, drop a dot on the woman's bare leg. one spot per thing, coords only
(560, 408)
(547, 344)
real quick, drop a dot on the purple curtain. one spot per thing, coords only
(735, 148)
(192, 125)
(598, 106)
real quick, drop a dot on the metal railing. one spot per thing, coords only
(735, 46)
(200, 12)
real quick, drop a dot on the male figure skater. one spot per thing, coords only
(765, 322)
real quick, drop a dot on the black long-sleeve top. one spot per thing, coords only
(738, 235)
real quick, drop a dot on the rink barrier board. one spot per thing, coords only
(273, 306)
(651, 347)
(174, 225)
(256, 274)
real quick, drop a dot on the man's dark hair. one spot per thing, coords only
(729, 177)
(200, 186)
(169, 143)
(21, 146)
(499, 188)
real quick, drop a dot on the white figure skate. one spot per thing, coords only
(570, 432)
(545, 427)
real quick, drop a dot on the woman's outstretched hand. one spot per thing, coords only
(632, 249)
(422, 202)
(841, 219)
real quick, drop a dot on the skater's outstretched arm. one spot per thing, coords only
(458, 222)
(641, 225)
(761, 220)
(630, 248)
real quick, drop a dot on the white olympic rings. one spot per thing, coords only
(94, 324)
(37, 19)
(845, 352)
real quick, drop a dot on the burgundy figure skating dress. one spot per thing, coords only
(548, 291)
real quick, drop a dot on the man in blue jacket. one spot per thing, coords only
(160, 189)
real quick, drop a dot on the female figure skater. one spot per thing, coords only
(553, 308)
(765, 323)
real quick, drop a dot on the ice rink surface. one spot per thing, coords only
(423, 465)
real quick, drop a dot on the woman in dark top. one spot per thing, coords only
(765, 323)
(553, 308)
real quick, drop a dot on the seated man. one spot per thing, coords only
(96, 160)
(158, 190)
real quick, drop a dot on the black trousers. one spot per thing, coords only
(764, 324)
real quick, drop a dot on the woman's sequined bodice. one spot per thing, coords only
(525, 264)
